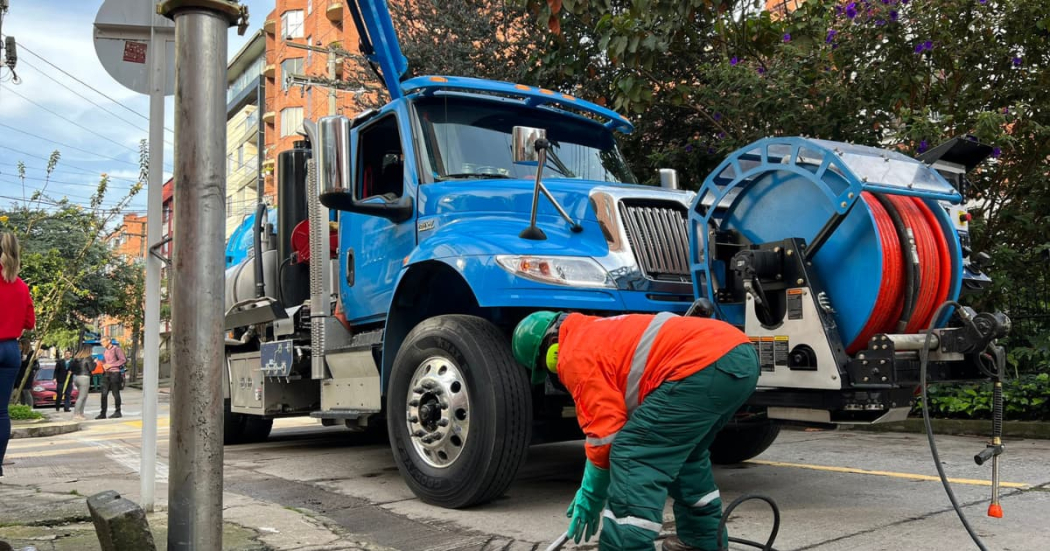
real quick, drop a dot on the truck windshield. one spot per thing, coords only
(468, 138)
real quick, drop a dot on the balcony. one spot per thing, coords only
(270, 26)
(270, 70)
(334, 12)
(269, 116)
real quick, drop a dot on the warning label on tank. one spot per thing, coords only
(794, 304)
(780, 350)
(772, 351)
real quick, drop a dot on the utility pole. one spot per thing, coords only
(195, 481)
(333, 85)
(331, 75)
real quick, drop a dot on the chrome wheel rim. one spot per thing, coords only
(437, 412)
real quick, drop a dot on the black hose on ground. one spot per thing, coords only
(768, 546)
(924, 356)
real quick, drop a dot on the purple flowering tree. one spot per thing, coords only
(900, 74)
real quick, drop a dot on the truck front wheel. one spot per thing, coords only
(459, 412)
(743, 439)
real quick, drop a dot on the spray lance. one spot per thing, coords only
(993, 363)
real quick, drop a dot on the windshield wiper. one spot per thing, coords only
(559, 166)
(472, 175)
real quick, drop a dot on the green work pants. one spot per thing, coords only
(663, 449)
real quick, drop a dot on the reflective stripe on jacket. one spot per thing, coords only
(610, 365)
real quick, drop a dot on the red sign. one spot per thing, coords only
(134, 52)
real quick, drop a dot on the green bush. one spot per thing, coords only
(1026, 398)
(23, 413)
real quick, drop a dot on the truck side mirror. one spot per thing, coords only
(335, 181)
(523, 140)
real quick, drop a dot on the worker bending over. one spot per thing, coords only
(651, 393)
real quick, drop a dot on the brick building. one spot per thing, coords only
(317, 23)
(129, 242)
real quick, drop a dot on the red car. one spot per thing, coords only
(43, 386)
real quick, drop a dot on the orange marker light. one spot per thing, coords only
(438, 79)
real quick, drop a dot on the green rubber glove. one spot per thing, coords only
(586, 509)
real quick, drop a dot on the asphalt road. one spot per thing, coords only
(837, 490)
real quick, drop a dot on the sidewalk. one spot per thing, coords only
(43, 497)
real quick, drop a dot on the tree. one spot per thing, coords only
(472, 38)
(72, 275)
(705, 77)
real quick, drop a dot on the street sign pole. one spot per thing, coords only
(131, 41)
(154, 207)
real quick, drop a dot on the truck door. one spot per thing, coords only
(372, 248)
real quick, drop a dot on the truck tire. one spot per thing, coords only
(740, 441)
(256, 429)
(232, 425)
(238, 428)
(459, 411)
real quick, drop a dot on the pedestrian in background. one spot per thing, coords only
(18, 317)
(81, 367)
(63, 381)
(113, 360)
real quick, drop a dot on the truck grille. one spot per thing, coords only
(657, 233)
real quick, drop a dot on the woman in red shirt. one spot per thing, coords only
(17, 317)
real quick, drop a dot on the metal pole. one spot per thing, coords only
(151, 323)
(195, 481)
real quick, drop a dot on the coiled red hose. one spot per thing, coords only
(934, 267)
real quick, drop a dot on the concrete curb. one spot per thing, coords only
(962, 427)
(31, 430)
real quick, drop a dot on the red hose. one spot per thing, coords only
(944, 259)
(889, 301)
(929, 262)
(934, 268)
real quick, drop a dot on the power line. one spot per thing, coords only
(66, 165)
(63, 172)
(53, 181)
(88, 86)
(75, 148)
(89, 100)
(70, 121)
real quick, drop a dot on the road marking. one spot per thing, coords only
(906, 476)
(127, 456)
(51, 453)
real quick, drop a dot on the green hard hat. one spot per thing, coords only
(527, 340)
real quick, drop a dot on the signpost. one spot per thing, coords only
(137, 48)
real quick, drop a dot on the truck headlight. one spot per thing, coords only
(572, 271)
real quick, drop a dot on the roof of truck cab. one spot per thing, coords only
(527, 95)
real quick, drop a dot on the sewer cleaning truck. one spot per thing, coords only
(410, 240)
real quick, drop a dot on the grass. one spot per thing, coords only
(22, 412)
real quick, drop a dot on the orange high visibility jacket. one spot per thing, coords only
(610, 365)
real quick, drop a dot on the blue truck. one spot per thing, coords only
(411, 239)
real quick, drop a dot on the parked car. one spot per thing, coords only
(44, 387)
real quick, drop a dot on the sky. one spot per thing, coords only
(95, 132)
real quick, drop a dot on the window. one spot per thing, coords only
(309, 53)
(292, 24)
(309, 9)
(291, 120)
(381, 160)
(290, 67)
(467, 138)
